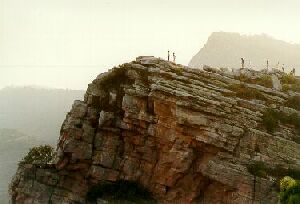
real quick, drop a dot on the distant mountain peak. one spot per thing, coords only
(224, 49)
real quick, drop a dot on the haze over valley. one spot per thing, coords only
(28, 117)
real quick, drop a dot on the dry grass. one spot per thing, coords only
(244, 92)
(265, 80)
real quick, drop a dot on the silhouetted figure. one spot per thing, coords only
(174, 57)
(267, 65)
(243, 63)
(294, 71)
(282, 67)
(168, 55)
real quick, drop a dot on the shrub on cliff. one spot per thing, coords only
(265, 80)
(289, 191)
(281, 171)
(261, 169)
(40, 155)
(245, 92)
(290, 83)
(178, 71)
(258, 169)
(293, 102)
(291, 87)
(271, 119)
(289, 79)
(120, 191)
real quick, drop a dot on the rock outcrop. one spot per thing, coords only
(174, 130)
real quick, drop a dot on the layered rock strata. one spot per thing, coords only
(173, 129)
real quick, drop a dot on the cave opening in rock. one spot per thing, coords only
(118, 192)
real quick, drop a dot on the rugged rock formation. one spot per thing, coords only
(173, 129)
(225, 50)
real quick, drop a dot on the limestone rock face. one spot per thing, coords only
(276, 83)
(170, 128)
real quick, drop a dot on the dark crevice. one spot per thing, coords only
(120, 191)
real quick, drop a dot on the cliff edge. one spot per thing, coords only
(184, 134)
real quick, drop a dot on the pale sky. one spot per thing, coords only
(67, 43)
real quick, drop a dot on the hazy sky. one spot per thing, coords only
(66, 43)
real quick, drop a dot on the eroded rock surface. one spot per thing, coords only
(170, 128)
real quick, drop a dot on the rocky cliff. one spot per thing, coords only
(224, 49)
(179, 132)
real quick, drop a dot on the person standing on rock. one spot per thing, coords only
(282, 67)
(168, 55)
(174, 57)
(267, 65)
(294, 71)
(243, 63)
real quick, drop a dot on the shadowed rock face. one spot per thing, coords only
(172, 129)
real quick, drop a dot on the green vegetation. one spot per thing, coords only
(271, 119)
(40, 155)
(260, 169)
(289, 79)
(293, 102)
(289, 191)
(245, 92)
(178, 71)
(291, 87)
(265, 80)
(289, 188)
(296, 139)
(290, 83)
(120, 191)
(280, 171)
